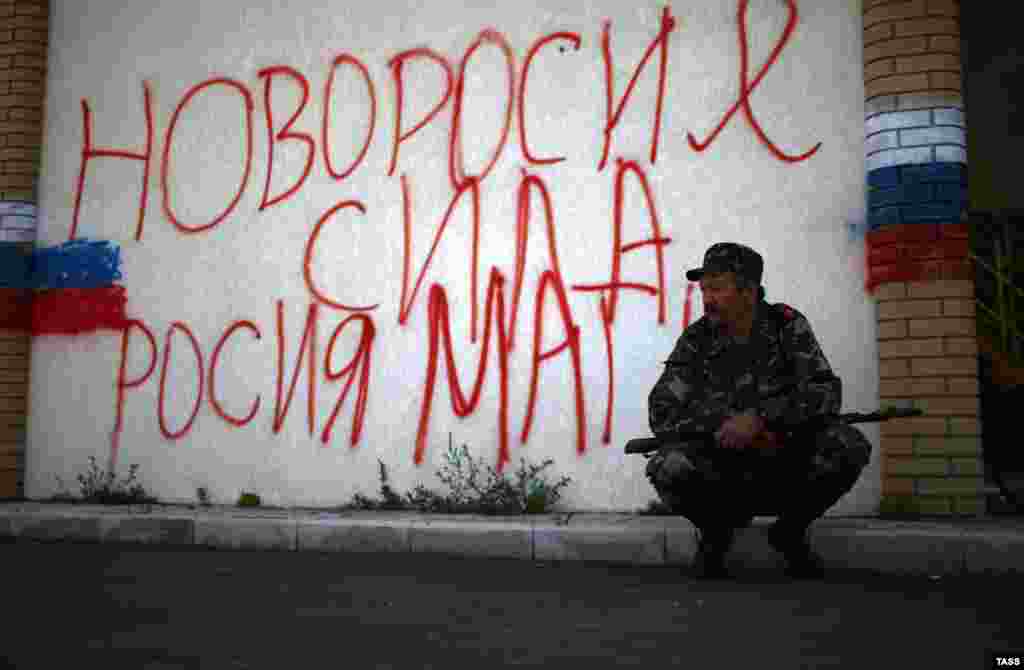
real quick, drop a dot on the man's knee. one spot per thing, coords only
(669, 469)
(841, 449)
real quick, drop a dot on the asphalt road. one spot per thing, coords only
(103, 606)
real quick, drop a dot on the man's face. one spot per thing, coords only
(723, 301)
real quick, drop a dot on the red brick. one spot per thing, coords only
(959, 307)
(23, 34)
(945, 43)
(929, 26)
(26, 87)
(961, 346)
(15, 181)
(927, 63)
(903, 83)
(910, 387)
(963, 386)
(20, 114)
(29, 61)
(948, 406)
(891, 291)
(908, 309)
(32, 9)
(944, 367)
(942, 326)
(893, 11)
(945, 81)
(887, 330)
(21, 20)
(894, 368)
(897, 445)
(949, 8)
(924, 425)
(878, 32)
(910, 348)
(941, 289)
(879, 68)
(897, 486)
(19, 167)
(896, 47)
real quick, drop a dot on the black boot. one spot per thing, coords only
(791, 541)
(712, 548)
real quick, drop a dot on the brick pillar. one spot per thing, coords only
(917, 256)
(24, 31)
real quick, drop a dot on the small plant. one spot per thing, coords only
(102, 487)
(248, 499)
(473, 487)
(64, 496)
(203, 495)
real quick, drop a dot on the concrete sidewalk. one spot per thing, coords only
(939, 548)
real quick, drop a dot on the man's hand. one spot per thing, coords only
(747, 430)
(740, 430)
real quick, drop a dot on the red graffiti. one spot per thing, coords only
(123, 383)
(356, 63)
(688, 306)
(438, 324)
(668, 24)
(524, 145)
(471, 185)
(285, 133)
(307, 273)
(523, 236)
(359, 366)
(309, 334)
(89, 152)
(456, 169)
(618, 249)
(213, 369)
(500, 324)
(247, 97)
(396, 64)
(609, 306)
(572, 342)
(177, 325)
(746, 89)
(361, 360)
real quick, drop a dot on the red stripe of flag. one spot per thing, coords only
(72, 311)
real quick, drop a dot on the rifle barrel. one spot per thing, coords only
(643, 445)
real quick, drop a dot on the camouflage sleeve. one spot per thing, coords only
(679, 403)
(814, 389)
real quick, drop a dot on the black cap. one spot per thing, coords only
(730, 257)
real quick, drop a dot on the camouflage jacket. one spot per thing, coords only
(780, 373)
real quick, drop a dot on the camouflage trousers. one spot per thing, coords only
(715, 487)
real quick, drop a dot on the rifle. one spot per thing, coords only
(645, 445)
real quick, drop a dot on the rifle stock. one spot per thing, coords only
(643, 445)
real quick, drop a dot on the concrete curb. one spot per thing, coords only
(938, 548)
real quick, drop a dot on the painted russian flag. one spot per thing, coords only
(68, 289)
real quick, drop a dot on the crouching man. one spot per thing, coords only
(751, 377)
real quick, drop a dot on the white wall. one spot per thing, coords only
(796, 215)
